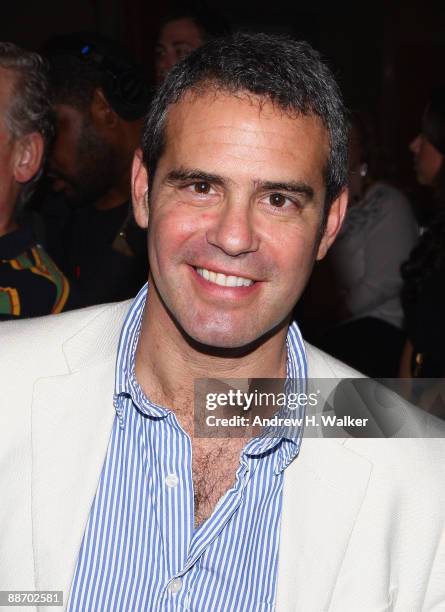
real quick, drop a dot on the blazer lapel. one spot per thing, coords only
(72, 418)
(72, 421)
(323, 491)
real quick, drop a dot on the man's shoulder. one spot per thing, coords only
(322, 365)
(38, 344)
(400, 436)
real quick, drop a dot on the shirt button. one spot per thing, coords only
(175, 585)
(172, 481)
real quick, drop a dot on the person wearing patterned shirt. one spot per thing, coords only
(30, 282)
(111, 496)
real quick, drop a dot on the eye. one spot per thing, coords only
(202, 187)
(277, 199)
(281, 204)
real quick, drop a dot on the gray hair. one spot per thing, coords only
(287, 72)
(30, 108)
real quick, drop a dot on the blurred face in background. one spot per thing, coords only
(21, 155)
(176, 40)
(427, 160)
(8, 184)
(82, 163)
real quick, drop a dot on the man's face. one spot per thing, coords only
(176, 40)
(8, 184)
(235, 213)
(82, 163)
(427, 160)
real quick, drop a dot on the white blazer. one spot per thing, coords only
(362, 527)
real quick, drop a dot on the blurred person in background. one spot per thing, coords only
(183, 30)
(30, 282)
(352, 306)
(424, 272)
(100, 99)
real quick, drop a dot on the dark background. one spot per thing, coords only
(387, 55)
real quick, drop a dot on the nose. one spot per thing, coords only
(233, 231)
(414, 145)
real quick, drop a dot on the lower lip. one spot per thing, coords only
(225, 292)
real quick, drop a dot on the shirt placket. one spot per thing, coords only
(179, 590)
(174, 506)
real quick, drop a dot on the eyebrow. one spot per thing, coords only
(293, 187)
(181, 175)
(179, 42)
(175, 43)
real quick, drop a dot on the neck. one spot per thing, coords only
(7, 210)
(167, 363)
(7, 226)
(115, 196)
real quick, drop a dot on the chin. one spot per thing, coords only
(220, 339)
(240, 337)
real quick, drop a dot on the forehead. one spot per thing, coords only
(220, 128)
(182, 30)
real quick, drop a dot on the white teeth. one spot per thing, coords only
(223, 280)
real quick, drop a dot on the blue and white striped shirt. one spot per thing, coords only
(140, 550)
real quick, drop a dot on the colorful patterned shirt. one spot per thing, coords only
(31, 284)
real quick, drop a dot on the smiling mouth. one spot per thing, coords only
(224, 280)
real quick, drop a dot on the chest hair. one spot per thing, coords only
(214, 465)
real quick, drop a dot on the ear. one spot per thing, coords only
(28, 157)
(139, 190)
(334, 222)
(101, 111)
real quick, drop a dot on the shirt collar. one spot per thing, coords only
(286, 438)
(126, 385)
